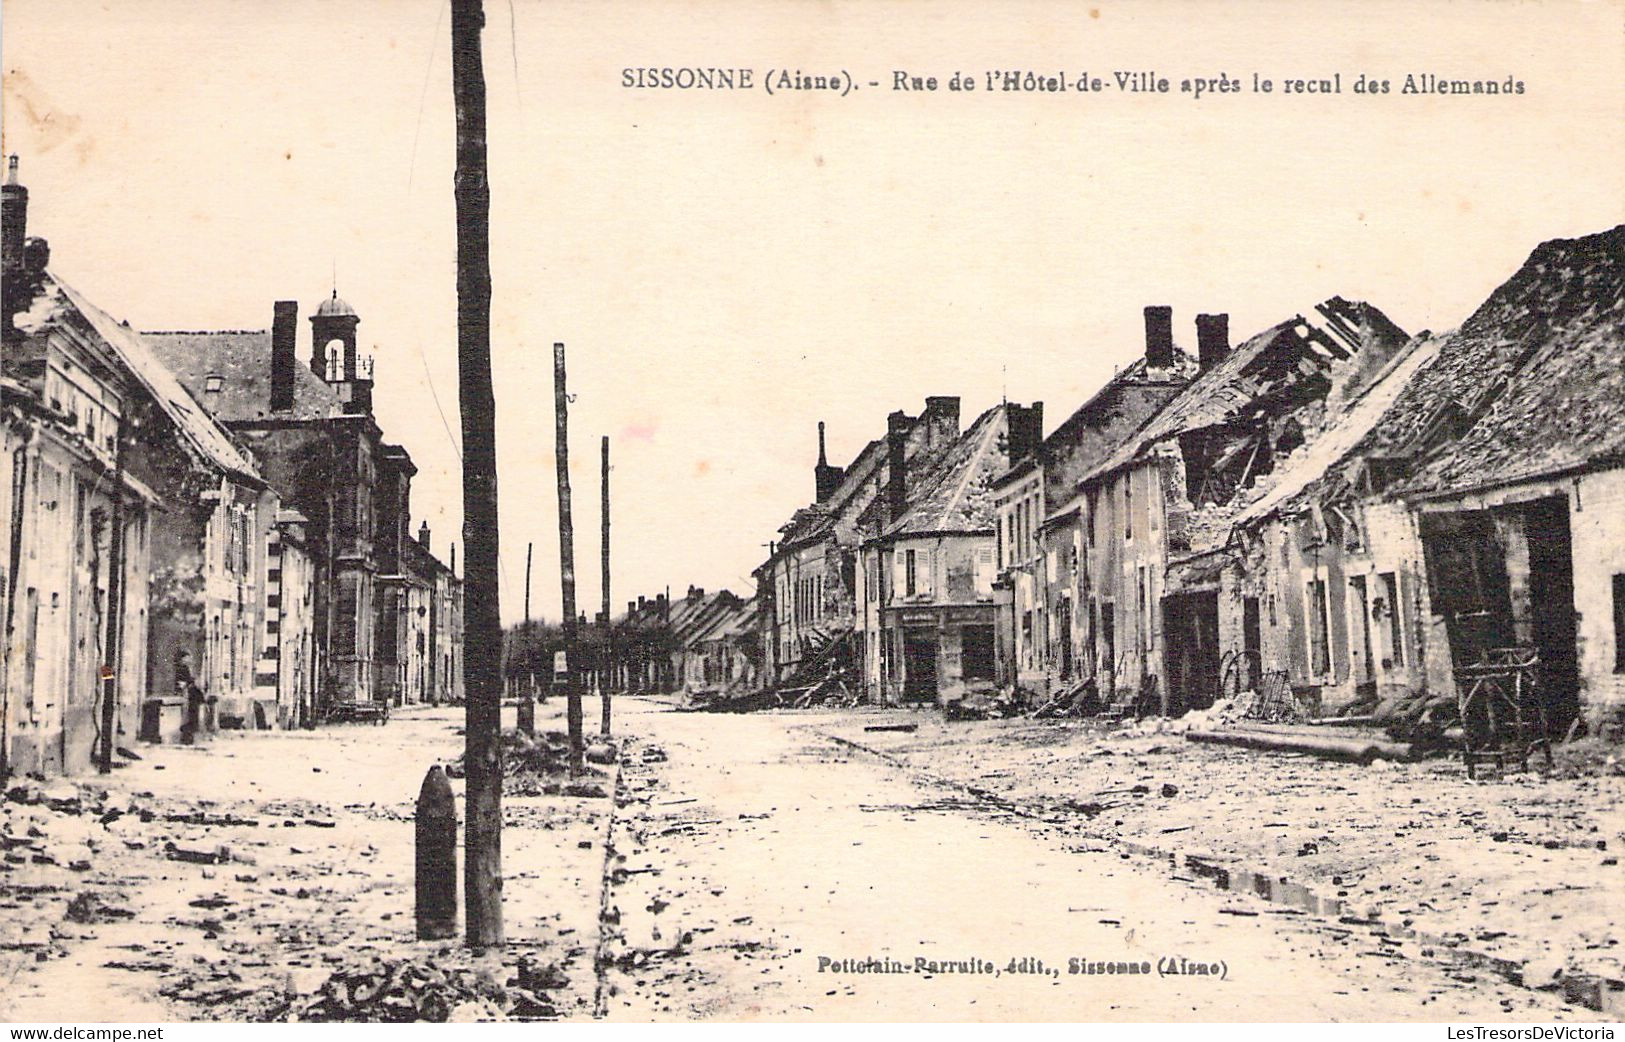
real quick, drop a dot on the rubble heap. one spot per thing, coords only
(408, 990)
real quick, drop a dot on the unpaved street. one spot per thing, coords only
(755, 867)
(232, 880)
(774, 847)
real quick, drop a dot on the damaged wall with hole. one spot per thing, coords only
(1501, 571)
(1341, 614)
(1165, 502)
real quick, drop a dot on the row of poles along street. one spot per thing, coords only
(436, 820)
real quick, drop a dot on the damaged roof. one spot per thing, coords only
(210, 441)
(242, 358)
(1120, 407)
(815, 519)
(954, 488)
(1530, 385)
(1270, 374)
(1305, 471)
(686, 619)
(1533, 380)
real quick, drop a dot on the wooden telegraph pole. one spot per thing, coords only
(609, 631)
(527, 692)
(567, 561)
(482, 638)
(113, 647)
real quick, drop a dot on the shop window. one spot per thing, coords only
(977, 649)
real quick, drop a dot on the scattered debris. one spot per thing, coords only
(407, 990)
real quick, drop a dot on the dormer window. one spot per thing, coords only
(214, 383)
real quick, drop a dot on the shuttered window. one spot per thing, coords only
(984, 571)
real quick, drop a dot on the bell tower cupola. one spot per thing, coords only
(334, 356)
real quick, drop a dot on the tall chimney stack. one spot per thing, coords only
(1024, 431)
(944, 409)
(825, 477)
(284, 331)
(897, 425)
(423, 535)
(13, 217)
(1159, 336)
(1212, 339)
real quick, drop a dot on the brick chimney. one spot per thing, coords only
(284, 333)
(13, 216)
(1159, 336)
(1212, 339)
(23, 260)
(825, 477)
(945, 409)
(897, 425)
(1026, 431)
(423, 535)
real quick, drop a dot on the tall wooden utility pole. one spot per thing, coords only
(527, 693)
(113, 646)
(609, 631)
(567, 560)
(482, 619)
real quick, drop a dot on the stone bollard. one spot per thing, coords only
(436, 857)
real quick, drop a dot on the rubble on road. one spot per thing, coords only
(833, 691)
(539, 765)
(417, 989)
(89, 907)
(1524, 868)
(144, 897)
(990, 705)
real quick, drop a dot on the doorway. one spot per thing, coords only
(919, 665)
(1191, 651)
(1252, 642)
(1551, 595)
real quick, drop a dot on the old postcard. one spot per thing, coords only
(1019, 511)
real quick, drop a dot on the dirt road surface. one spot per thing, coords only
(312, 872)
(773, 848)
(752, 868)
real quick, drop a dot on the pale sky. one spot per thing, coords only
(729, 268)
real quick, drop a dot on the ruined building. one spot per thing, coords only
(1464, 515)
(1155, 514)
(1043, 639)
